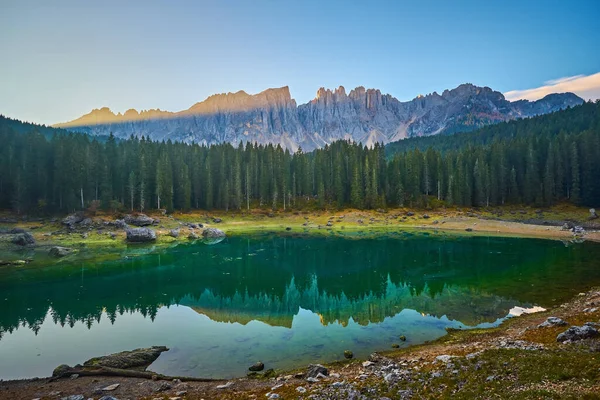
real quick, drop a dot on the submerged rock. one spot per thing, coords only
(140, 235)
(576, 333)
(213, 233)
(58, 251)
(127, 359)
(348, 354)
(259, 366)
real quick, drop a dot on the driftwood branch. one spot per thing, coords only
(127, 373)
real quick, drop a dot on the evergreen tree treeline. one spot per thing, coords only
(539, 161)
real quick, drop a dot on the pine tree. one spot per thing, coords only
(575, 177)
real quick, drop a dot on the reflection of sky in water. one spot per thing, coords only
(202, 347)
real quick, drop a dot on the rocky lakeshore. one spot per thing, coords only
(65, 237)
(551, 354)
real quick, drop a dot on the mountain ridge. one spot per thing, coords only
(362, 115)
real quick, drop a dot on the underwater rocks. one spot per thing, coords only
(213, 233)
(58, 251)
(259, 366)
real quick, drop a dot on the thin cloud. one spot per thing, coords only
(585, 86)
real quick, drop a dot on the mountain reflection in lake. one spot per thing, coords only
(283, 300)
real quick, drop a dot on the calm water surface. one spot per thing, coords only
(286, 301)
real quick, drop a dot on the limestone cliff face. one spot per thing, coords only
(363, 115)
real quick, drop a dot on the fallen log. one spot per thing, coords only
(64, 371)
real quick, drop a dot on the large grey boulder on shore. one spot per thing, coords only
(139, 220)
(212, 236)
(575, 333)
(73, 219)
(140, 235)
(21, 237)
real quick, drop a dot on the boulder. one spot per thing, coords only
(259, 366)
(73, 219)
(140, 235)
(74, 397)
(567, 226)
(575, 333)
(213, 233)
(426, 216)
(61, 370)
(86, 222)
(217, 220)
(314, 370)
(23, 239)
(593, 214)
(58, 251)
(552, 321)
(138, 358)
(174, 233)
(578, 230)
(139, 220)
(193, 236)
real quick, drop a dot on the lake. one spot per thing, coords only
(284, 300)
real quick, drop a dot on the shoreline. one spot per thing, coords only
(515, 339)
(457, 365)
(505, 222)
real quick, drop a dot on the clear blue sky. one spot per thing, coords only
(60, 59)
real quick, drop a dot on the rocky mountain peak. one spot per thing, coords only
(363, 115)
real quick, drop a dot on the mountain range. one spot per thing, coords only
(363, 115)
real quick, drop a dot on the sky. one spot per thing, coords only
(62, 58)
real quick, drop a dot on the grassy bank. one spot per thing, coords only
(507, 221)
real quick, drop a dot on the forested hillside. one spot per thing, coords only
(538, 161)
(575, 119)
